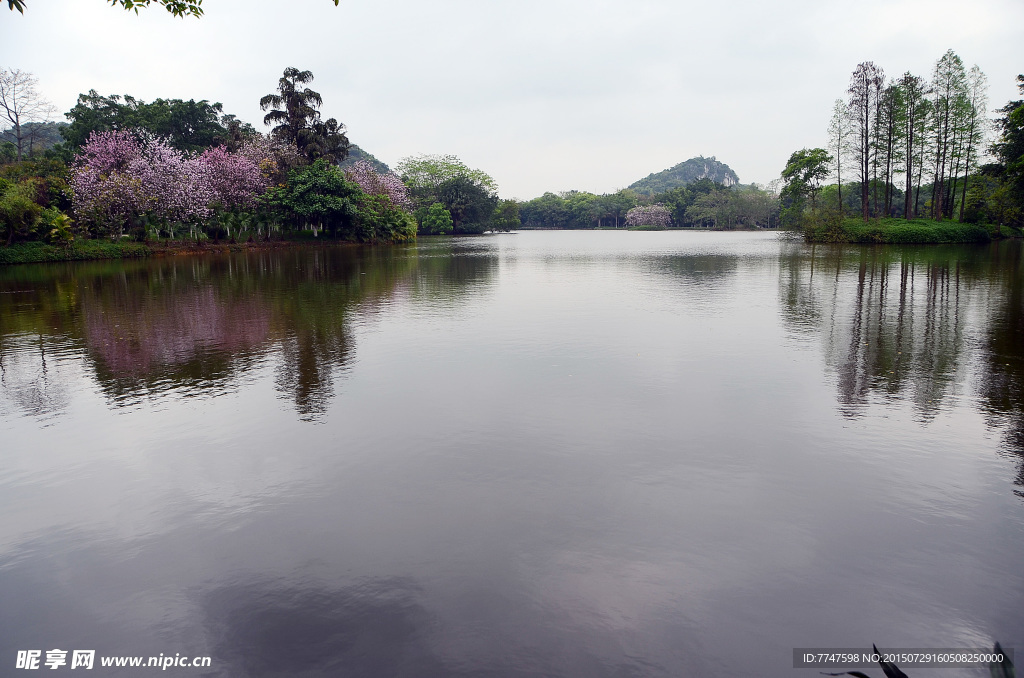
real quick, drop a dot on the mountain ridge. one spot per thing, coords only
(684, 173)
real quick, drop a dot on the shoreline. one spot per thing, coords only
(98, 250)
(851, 232)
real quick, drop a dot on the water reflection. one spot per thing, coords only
(1001, 381)
(374, 627)
(561, 454)
(196, 325)
(894, 321)
(906, 324)
(33, 376)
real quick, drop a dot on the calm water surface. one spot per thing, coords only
(536, 454)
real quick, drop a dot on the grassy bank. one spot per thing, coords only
(33, 252)
(900, 231)
(82, 250)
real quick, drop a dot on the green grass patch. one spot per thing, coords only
(647, 227)
(900, 231)
(34, 252)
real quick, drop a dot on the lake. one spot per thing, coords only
(532, 454)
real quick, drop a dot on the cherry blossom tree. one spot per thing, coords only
(649, 215)
(376, 183)
(121, 176)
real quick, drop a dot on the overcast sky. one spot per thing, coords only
(544, 95)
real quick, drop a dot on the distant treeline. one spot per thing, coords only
(700, 204)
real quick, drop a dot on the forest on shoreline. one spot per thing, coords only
(918, 150)
(183, 173)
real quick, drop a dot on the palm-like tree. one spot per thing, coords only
(295, 118)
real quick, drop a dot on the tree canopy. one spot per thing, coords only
(294, 115)
(189, 126)
(805, 172)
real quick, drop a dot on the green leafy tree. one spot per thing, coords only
(506, 216)
(294, 115)
(425, 174)
(19, 212)
(1007, 199)
(470, 203)
(380, 220)
(8, 152)
(316, 196)
(190, 126)
(805, 172)
(435, 220)
(547, 211)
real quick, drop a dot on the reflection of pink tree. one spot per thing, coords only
(144, 338)
(376, 183)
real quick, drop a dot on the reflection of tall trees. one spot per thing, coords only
(1002, 377)
(893, 320)
(196, 323)
(898, 323)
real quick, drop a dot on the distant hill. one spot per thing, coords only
(686, 173)
(36, 136)
(355, 154)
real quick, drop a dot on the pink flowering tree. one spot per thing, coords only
(235, 179)
(105, 194)
(649, 215)
(121, 179)
(386, 184)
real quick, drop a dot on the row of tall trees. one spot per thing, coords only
(913, 148)
(927, 135)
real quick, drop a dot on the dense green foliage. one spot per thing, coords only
(316, 197)
(435, 220)
(803, 174)
(470, 196)
(827, 228)
(188, 126)
(684, 173)
(506, 216)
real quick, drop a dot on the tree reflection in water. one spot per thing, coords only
(1002, 377)
(916, 324)
(196, 324)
